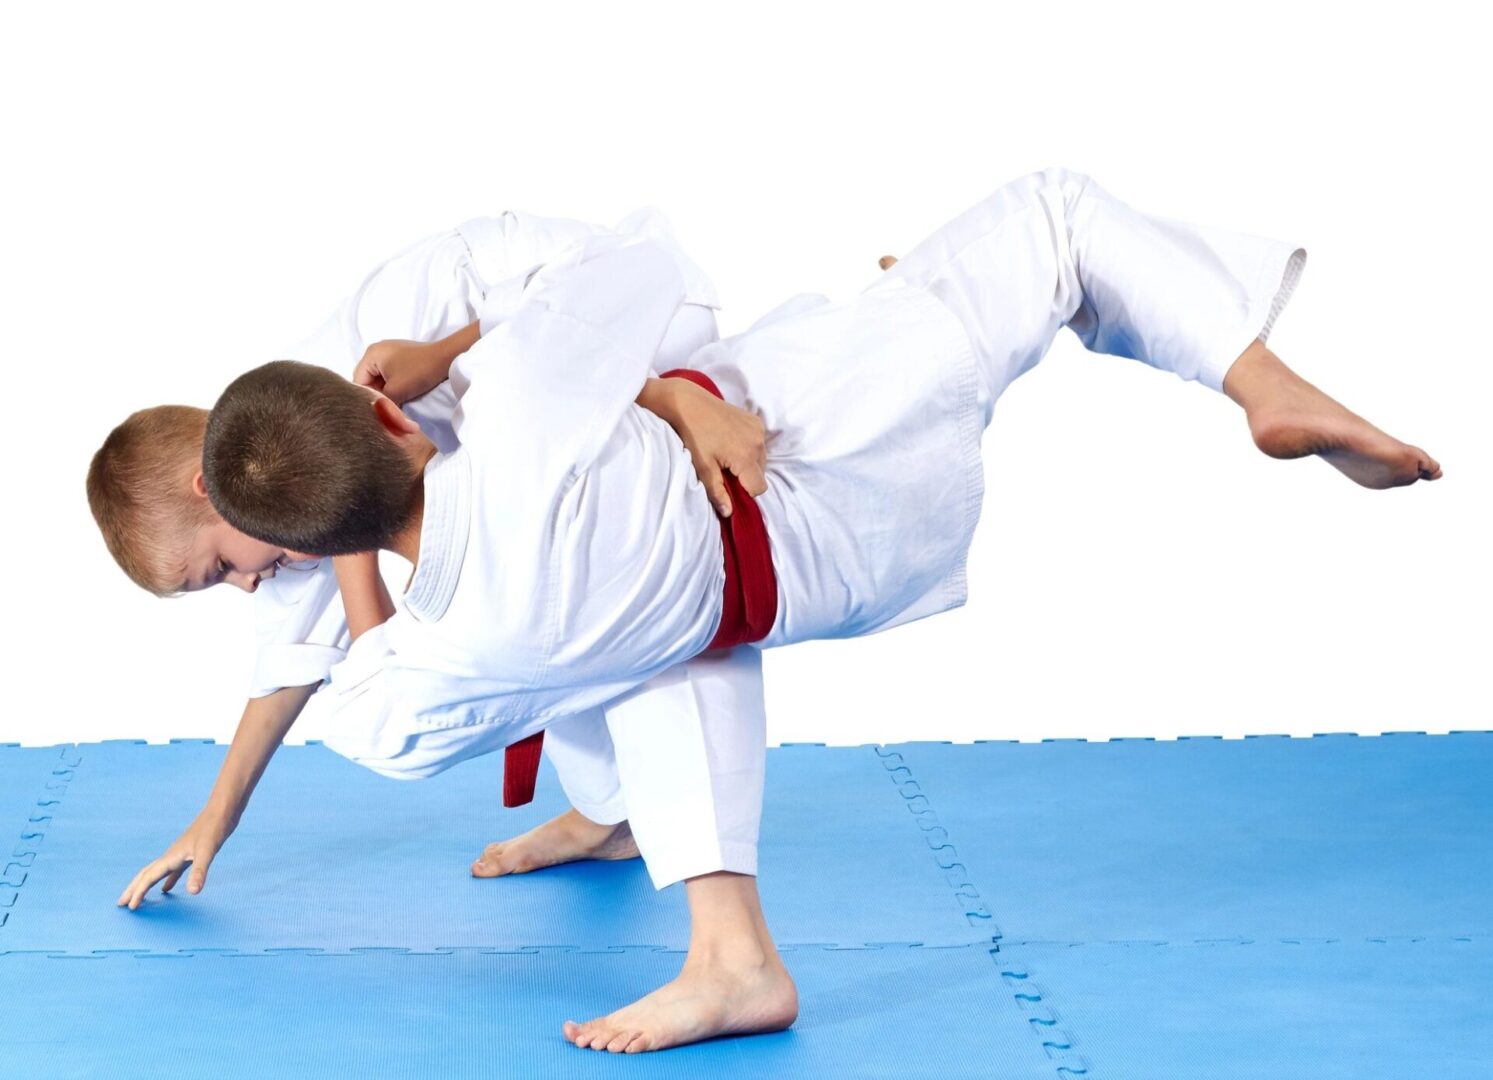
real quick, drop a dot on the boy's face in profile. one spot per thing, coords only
(219, 553)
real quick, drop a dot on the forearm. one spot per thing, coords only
(447, 349)
(260, 731)
(661, 397)
(365, 597)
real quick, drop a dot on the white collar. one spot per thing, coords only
(443, 535)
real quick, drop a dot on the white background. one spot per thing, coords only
(189, 190)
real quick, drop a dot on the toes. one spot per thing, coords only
(483, 868)
(592, 1035)
(1418, 465)
(620, 1041)
(639, 1044)
(499, 859)
(486, 864)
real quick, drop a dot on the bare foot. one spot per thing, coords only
(567, 838)
(749, 995)
(1291, 418)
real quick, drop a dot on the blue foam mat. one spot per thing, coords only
(1265, 837)
(1341, 1010)
(494, 1016)
(331, 856)
(1357, 871)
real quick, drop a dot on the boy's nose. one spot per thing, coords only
(247, 582)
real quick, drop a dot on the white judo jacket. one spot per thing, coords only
(475, 272)
(692, 739)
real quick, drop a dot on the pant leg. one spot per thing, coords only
(580, 748)
(691, 746)
(1053, 248)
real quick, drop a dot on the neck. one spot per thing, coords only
(406, 542)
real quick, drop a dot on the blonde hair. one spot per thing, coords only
(139, 489)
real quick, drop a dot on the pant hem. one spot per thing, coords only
(735, 858)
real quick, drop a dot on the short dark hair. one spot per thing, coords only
(295, 456)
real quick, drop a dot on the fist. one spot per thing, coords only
(401, 370)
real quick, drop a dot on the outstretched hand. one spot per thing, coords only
(194, 850)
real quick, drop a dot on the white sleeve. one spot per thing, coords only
(426, 292)
(692, 329)
(513, 243)
(508, 249)
(300, 627)
(409, 722)
(650, 224)
(549, 385)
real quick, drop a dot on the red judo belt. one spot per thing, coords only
(748, 608)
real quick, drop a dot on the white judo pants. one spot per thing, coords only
(681, 758)
(1053, 249)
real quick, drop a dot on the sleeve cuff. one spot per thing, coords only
(280, 666)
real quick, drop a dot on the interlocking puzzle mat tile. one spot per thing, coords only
(334, 857)
(32, 780)
(1313, 1010)
(890, 1013)
(27, 775)
(1265, 837)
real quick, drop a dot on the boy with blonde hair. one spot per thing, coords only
(145, 490)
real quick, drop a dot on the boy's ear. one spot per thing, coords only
(199, 488)
(392, 418)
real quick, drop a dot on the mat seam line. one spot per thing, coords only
(1004, 948)
(19, 864)
(1031, 1001)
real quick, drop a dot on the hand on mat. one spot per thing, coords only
(194, 848)
(720, 437)
(402, 370)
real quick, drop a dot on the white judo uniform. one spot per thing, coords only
(568, 555)
(478, 271)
